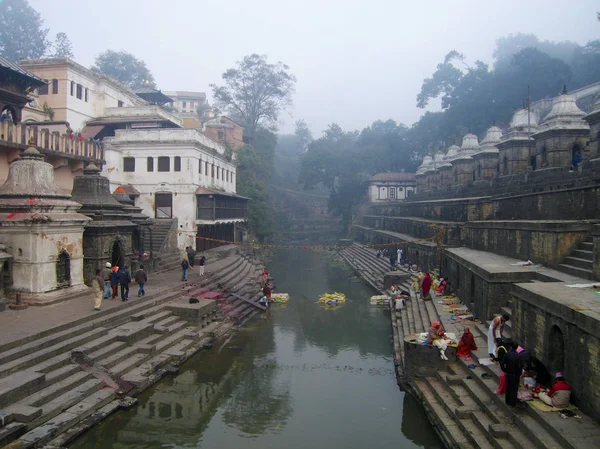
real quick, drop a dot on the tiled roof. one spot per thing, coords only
(393, 177)
(7, 64)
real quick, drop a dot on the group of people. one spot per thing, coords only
(189, 261)
(395, 257)
(107, 281)
(516, 363)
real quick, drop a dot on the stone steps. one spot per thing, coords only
(143, 337)
(576, 271)
(442, 420)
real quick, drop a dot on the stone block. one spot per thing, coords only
(394, 277)
(133, 331)
(453, 380)
(24, 413)
(498, 430)
(17, 385)
(195, 313)
(146, 348)
(465, 411)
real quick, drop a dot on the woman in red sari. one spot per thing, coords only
(466, 344)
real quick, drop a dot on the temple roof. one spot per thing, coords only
(393, 177)
(34, 80)
(153, 96)
(565, 114)
(493, 136)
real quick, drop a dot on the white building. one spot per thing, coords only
(186, 101)
(391, 187)
(178, 173)
(75, 93)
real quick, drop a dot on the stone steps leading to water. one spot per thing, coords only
(133, 342)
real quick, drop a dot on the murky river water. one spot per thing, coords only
(302, 377)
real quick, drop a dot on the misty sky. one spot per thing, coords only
(356, 61)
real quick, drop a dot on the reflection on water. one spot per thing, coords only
(302, 377)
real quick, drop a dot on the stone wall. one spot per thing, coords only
(564, 335)
(547, 242)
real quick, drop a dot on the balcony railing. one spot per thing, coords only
(221, 213)
(66, 144)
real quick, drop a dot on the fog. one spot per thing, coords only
(355, 61)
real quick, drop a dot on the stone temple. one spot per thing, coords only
(529, 192)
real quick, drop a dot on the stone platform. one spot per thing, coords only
(134, 342)
(459, 402)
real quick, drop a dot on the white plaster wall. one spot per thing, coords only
(34, 269)
(379, 190)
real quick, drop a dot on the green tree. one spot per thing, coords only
(22, 35)
(125, 68)
(255, 92)
(586, 64)
(62, 47)
(255, 167)
(443, 82)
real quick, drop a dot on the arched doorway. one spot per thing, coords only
(576, 155)
(63, 270)
(117, 257)
(556, 350)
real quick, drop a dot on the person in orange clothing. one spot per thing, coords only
(466, 344)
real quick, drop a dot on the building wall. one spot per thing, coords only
(380, 190)
(102, 92)
(183, 185)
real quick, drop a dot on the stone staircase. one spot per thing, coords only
(44, 393)
(581, 261)
(459, 402)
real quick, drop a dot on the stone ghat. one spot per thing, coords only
(458, 401)
(46, 399)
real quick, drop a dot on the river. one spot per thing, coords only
(300, 377)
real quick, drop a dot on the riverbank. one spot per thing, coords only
(58, 380)
(458, 401)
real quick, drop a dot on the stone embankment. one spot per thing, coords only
(56, 383)
(459, 402)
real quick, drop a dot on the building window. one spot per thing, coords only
(72, 88)
(184, 105)
(392, 193)
(206, 168)
(79, 91)
(221, 134)
(192, 105)
(87, 94)
(200, 166)
(43, 90)
(129, 164)
(212, 171)
(227, 176)
(150, 164)
(54, 86)
(164, 163)
(177, 163)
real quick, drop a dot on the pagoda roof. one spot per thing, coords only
(34, 80)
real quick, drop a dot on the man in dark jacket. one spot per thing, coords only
(141, 277)
(124, 281)
(511, 365)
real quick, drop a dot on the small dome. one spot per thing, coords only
(492, 136)
(452, 152)
(427, 160)
(439, 157)
(564, 108)
(470, 143)
(519, 119)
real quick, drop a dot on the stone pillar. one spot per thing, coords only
(596, 237)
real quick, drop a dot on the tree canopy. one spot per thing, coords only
(255, 92)
(22, 35)
(125, 68)
(62, 46)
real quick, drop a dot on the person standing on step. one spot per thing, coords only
(501, 352)
(426, 287)
(98, 289)
(106, 275)
(141, 278)
(202, 263)
(184, 268)
(114, 282)
(495, 331)
(392, 260)
(124, 280)
(190, 255)
(512, 367)
(399, 256)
